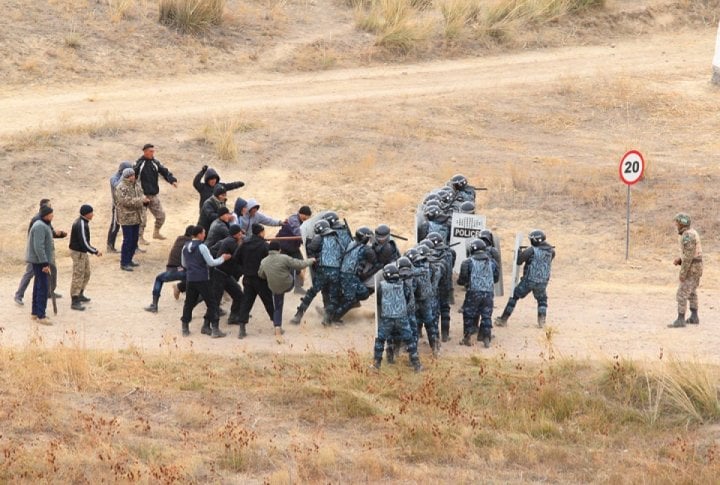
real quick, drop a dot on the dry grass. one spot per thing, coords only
(75, 415)
(397, 24)
(191, 16)
(121, 9)
(458, 15)
(220, 133)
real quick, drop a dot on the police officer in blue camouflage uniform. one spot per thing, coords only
(478, 274)
(326, 244)
(340, 228)
(357, 256)
(392, 317)
(436, 221)
(424, 295)
(536, 275)
(463, 192)
(383, 244)
(445, 285)
(405, 269)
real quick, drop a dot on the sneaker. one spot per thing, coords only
(44, 321)
(126, 268)
(143, 241)
(152, 308)
(18, 300)
(111, 250)
(501, 322)
(133, 264)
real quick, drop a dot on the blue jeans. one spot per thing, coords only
(170, 275)
(40, 291)
(131, 234)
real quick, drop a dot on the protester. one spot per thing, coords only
(80, 248)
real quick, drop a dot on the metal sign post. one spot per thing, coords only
(632, 168)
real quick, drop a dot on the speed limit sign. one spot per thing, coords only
(632, 167)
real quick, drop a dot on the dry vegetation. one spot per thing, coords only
(74, 415)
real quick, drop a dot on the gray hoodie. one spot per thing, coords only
(246, 221)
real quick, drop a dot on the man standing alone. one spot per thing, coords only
(80, 247)
(691, 269)
(41, 254)
(147, 170)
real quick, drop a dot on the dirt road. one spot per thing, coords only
(217, 94)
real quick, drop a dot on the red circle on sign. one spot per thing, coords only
(632, 167)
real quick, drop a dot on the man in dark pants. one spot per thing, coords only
(41, 254)
(28, 275)
(219, 229)
(291, 228)
(114, 226)
(130, 202)
(223, 276)
(173, 270)
(251, 253)
(197, 261)
(211, 180)
(148, 169)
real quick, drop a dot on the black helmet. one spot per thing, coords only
(432, 212)
(424, 251)
(391, 272)
(382, 232)
(331, 217)
(467, 207)
(404, 267)
(446, 196)
(430, 196)
(537, 237)
(363, 234)
(413, 254)
(427, 243)
(477, 246)
(487, 236)
(436, 238)
(458, 182)
(322, 227)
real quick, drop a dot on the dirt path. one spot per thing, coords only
(211, 95)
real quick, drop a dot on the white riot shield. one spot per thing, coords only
(499, 285)
(465, 228)
(515, 268)
(419, 220)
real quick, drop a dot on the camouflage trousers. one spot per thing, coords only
(478, 308)
(156, 209)
(687, 291)
(353, 291)
(80, 272)
(424, 318)
(391, 328)
(523, 289)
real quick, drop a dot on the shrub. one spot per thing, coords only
(191, 16)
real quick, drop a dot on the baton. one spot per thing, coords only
(398, 237)
(347, 226)
(54, 301)
(284, 238)
(477, 188)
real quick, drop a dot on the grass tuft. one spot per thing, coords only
(191, 16)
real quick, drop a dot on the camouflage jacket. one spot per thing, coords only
(691, 251)
(128, 203)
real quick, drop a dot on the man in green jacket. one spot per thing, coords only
(278, 269)
(41, 254)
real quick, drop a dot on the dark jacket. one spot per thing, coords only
(175, 257)
(201, 184)
(228, 245)
(209, 212)
(219, 229)
(80, 236)
(147, 172)
(56, 234)
(252, 253)
(290, 228)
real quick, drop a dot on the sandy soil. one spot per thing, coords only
(622, 312)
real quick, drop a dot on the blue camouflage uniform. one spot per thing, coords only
(353, 289)
(329, 252)
(478, 274)
(392, 319)
(536, 275)
(424, 295)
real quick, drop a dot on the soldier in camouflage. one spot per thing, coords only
(536, 275)
(424, 295)
(392, 312)
(691, 269)
(357, 256)
(478, 274)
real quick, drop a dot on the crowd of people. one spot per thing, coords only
(228, 252)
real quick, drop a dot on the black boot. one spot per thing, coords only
(435, 346)
(502, 320)
(83, 298)
(241, 332)
(466, 340)
(205, 330)
(679, 321)
(445, 329)
(390, 353)
(185, 329)
(298, 316)
(76, 304)
(541, 320)
(376, 364)
(416, 365)
(215, 331)
(153, 307)
(694, 319)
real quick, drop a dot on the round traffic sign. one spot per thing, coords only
(632, 167)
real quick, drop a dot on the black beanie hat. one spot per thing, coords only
(219, 190)
(45, 210)
(222, 211)
(85, 209)
(274, 246)
(305, 210)
(234, 229)
(257, 229)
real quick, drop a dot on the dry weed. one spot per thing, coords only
(191, 16)
(457, 14)
(396, 23)
(220, 133)
(120, 9)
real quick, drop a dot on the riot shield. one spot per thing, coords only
(515, 268)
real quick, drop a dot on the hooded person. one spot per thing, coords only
(207, 179)
(211, 207)
(114, 226)
(249, 215)
(130, 203)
